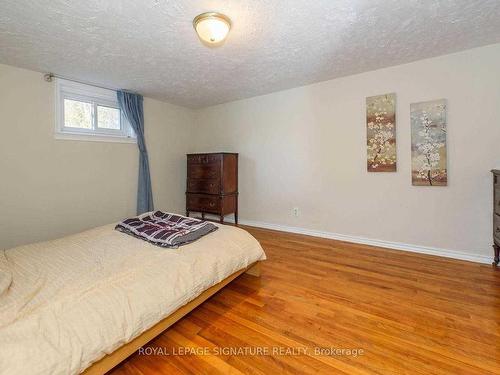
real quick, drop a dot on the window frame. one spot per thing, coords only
(97, 97)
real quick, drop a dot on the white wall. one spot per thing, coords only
(49, 188)
(306, 147)
(303, 147)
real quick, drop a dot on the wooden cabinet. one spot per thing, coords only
(496, 214)
(212, 184)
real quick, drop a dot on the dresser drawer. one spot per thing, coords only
(202, 203)
(204, 171)
(203, 186)
(496, 198)
(496, 228)
(204, 159)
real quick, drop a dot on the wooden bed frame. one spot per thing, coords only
(111, 360)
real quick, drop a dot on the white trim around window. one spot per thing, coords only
(95, 98)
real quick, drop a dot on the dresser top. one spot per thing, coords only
(495, 171)
(214, 153)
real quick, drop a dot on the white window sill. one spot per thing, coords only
(94, 138)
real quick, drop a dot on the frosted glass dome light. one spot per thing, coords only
(212, 28)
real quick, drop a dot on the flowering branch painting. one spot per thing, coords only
(381, 133)
(428, 143)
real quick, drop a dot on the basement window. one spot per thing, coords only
(89, 113)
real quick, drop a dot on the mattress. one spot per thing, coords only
(75, 299)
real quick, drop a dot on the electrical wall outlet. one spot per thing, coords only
(295, 212)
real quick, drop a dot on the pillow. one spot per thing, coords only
(5, 274)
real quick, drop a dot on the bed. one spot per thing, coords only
(85, 302)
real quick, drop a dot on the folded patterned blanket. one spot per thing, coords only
(164, 229)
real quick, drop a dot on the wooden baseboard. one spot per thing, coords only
(111, 360)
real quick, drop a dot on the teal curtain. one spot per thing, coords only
(132, 107)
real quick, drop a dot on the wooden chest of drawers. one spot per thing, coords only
(496, 214)
(212, 184)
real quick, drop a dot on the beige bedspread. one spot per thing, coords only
(75, 299)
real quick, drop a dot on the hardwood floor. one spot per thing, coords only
(409, 313)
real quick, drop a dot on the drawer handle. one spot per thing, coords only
(213, 204)
(498, 229)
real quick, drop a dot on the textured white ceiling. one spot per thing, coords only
(150, 46)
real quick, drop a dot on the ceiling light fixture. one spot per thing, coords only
(212, 28)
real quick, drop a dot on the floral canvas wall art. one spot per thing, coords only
(381, 133)
(428, 143)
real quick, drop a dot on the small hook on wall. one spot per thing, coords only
(48, 77)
